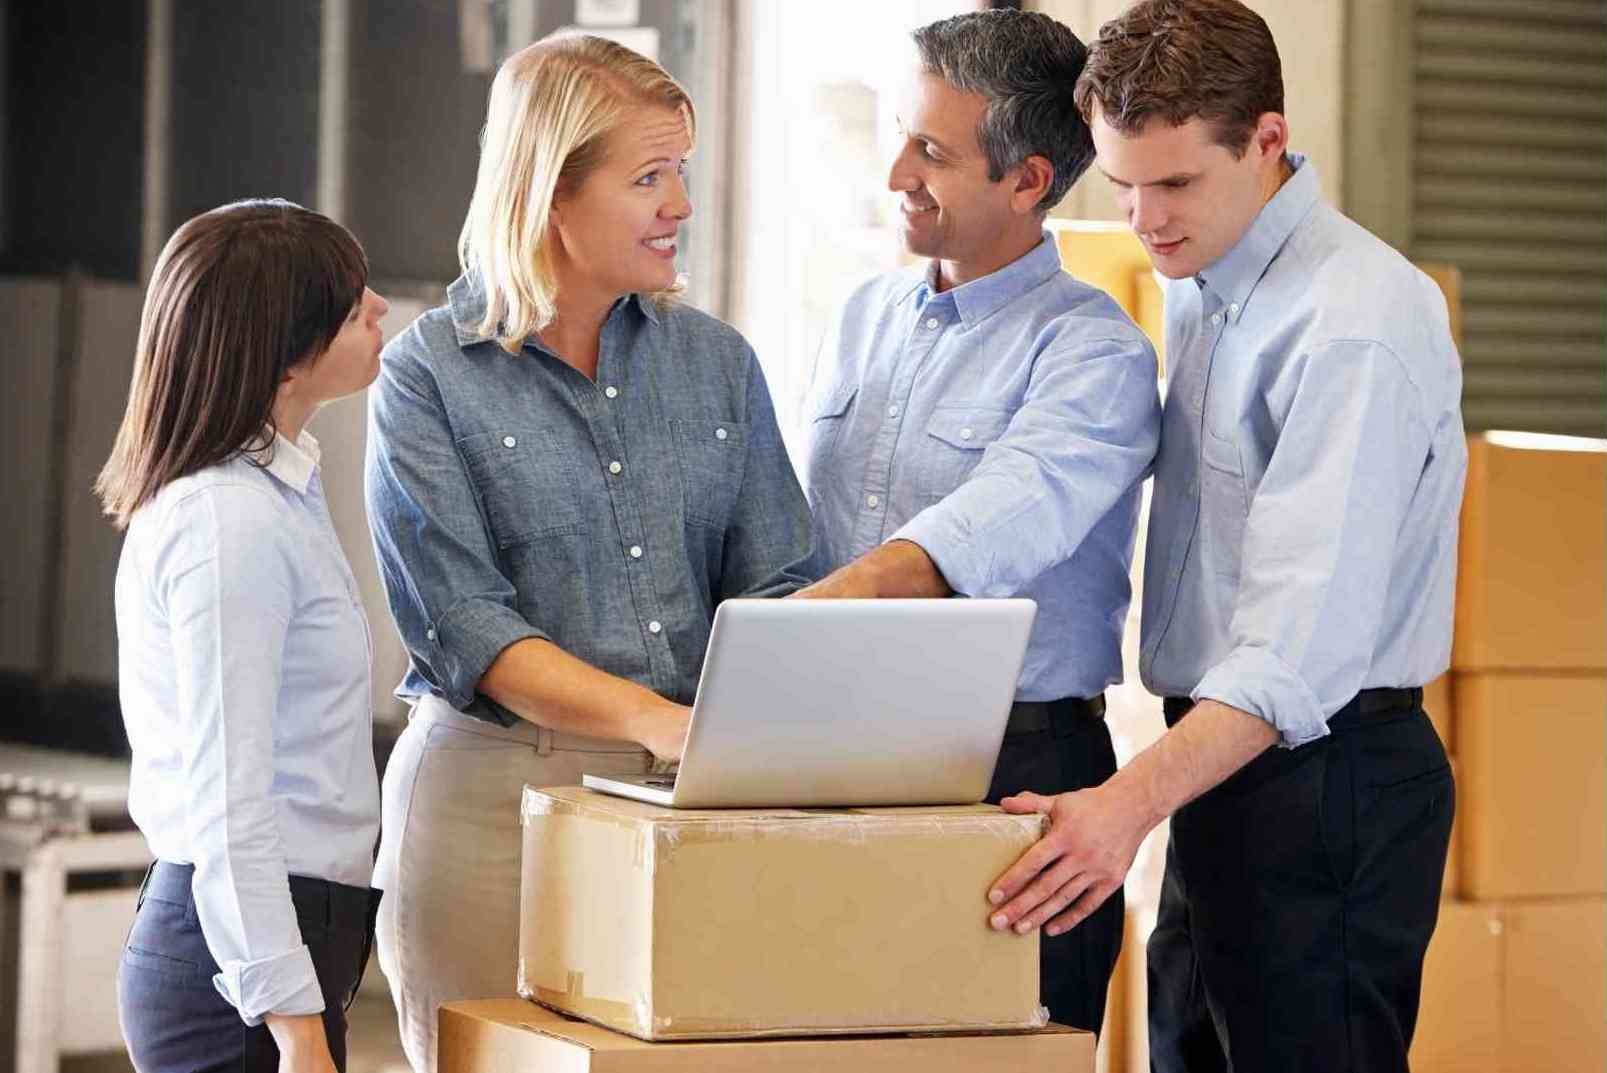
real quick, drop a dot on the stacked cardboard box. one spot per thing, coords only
(715, 939)
(1514, 978)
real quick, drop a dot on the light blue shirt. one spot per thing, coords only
(1302, 535)
(1004, 426)
(243, 663)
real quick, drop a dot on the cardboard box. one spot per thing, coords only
(1532, 560)
(513, 1036)
(705, 924)
(1554, 986)
(1459, 1015)
(1437, 702)
(1532, 785)
(1451, 883)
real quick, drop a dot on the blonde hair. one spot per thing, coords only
(552, 105)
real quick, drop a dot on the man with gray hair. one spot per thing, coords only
(980, 425)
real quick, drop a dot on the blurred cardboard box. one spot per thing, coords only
(1438, 704)
(1459, 1015)
(703, 924)
(1515, 987)
(513, 1036)
(1531, 785)
(1532, 560)
(1554, 986)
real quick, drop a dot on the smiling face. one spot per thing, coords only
(616, 233)
(1187, 197)
(950, 209)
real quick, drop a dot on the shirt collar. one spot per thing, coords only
(979, 299)
(1234, 275)
(294, 464)
(466, 301)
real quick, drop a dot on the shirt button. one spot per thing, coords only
(614, 467)
(1234, 309)
(655, 627)
(720, 434)
(611, 391)
(931, 322)
(872, 500)
(966, 434)
(509, 441)
(430, 633)
(636, 551)
(892, 411)
(1216, 318)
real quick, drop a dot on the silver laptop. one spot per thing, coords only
(813, 703)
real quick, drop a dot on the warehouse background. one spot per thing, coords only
(1469, 133)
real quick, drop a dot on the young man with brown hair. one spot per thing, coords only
(1298, 581)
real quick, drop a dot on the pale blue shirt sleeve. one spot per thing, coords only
(1319, 541)
(225, 579)
(1085, 434)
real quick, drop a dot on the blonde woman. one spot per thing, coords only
(568, 471)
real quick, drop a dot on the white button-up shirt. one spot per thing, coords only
(243, 658)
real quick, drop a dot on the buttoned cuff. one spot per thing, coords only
(1253, 679)
(284, 984)
(467, 639)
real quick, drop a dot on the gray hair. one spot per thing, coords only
(1025, 65)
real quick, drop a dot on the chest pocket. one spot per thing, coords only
(826, 414)
(525, 481)
(712, 456)
(1224, 505)
(956, 436)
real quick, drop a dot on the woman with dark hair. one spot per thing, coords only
(243, 649)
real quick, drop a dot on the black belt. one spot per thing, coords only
(1367, 702)
(1031, 716)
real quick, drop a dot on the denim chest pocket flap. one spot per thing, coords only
(712, 455)
(525, 482)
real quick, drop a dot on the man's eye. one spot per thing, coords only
(648, 180)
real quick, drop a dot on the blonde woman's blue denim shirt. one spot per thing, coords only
(512, 497)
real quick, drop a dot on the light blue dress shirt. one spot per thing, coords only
(1302, 535)
(243, 663)
(1004, 426)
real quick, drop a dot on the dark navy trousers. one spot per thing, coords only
(174, 1019)
(1072, 752)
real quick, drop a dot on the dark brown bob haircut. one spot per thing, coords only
(1180, 60)
(239, 296)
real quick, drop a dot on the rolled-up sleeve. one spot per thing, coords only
(1319, 542)
(454, 607)
(769, 544)
(228, 600)
(1085, 434)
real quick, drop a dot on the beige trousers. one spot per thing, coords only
(449, 855)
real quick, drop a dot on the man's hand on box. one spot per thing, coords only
(1079, 862)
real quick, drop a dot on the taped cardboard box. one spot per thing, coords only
(706, 924)
(1515, 987)
(1532, 557)
(1531, 785)
(1459, 1014)
(512, 1036)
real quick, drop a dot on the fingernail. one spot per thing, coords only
(995, 896)
(1051, 932)
(1022, 927)
(1000, 921)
